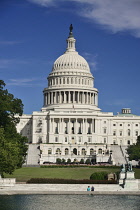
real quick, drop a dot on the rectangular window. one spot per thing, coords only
(104, 130)
(56, 139)
(120, 133)
(89, 139)
(136, 133)
(114, 133)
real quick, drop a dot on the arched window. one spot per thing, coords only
(128, 142)
(83, 151)
(49, 151)
(75, 151)
(91, 151)
(58, 151)
(128, 132)
(100, 151)
(63, 80)
(66, 151)
(136, 133)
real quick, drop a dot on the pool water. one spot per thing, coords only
(69, 202)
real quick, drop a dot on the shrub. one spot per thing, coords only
(58, 161)
(68, 161)
(82, 161)
(63, 161)
(68, 181)
(98, 176)
(87, 161)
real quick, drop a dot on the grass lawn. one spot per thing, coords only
(25, 173)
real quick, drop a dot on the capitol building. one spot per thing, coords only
(70, 124)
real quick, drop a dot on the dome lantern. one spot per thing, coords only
(71, 41)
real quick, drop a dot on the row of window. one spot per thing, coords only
(74, 151)
(128, 125)
(121, 124)
(69, 80)
(128, 132)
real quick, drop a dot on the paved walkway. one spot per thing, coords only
(65, 189)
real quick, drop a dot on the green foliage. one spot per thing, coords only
(58, 161)
(12, 145)
(69, 181)
(87, 161)
(82, 161)
(98, 176)
(63, 161)
(68, 161)
(134, 150)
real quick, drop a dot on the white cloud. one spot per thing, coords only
(44, 3)
(120, 102)
(26, 82)
(9, 42)
(6, 63)
(92, 60)
(114, 15)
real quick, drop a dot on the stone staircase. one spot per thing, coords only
(33, 155)
(118, 155)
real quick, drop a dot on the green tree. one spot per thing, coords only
(88, 161)
(68, 161)
(82, 161)
(58, 161)
(12, 145)
(63, 161)
(134, 150)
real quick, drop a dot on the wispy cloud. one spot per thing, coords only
(115, 16)
(9, 42)
(92, 60)
(120, 102)
(5, 63)
(27, 82)
(45, 3)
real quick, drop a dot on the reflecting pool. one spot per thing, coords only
(69, 202)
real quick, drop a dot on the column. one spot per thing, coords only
(69, 130)
(52, 126)
(73, 96)
(94, 127)
(54, 97)
(69, 97)
(64, 96)
(86, 96)
(48, 97)
(86, 130)
(94, 99)
(75, 127)
(78, 97)
(89, 98)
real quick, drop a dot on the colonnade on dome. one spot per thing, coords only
(68, 97)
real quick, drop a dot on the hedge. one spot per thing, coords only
(76, 166)
(68, 181)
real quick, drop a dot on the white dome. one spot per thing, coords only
(71, 61)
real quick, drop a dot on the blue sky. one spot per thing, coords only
(33, 35)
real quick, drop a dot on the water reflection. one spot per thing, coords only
(69, 202)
